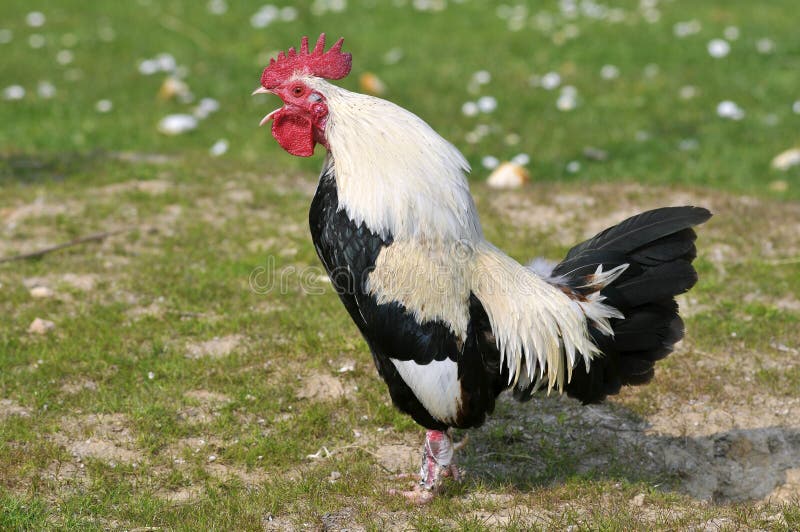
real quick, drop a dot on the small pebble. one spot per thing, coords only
(151, 375)
(41, 326)
(212, 458)
(796, 107)
(41, 292)
(371, 84)
(508, 175)
(172, 87)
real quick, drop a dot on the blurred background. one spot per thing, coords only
(654, 91)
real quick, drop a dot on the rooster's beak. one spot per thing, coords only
(269, 116)
(262, 90)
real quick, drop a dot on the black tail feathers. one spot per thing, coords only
(659, 247)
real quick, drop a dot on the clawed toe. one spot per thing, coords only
(417, 495)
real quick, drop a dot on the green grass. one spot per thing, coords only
(115, 370)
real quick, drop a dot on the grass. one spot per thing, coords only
(111, 419)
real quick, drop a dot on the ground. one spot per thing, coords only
(189, 367)
(181, 385)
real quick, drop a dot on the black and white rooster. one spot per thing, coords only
(450, 319)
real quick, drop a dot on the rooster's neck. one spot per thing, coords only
(394, 173)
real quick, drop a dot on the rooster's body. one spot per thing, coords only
(451, 321)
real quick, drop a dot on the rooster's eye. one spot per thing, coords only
(297, 91)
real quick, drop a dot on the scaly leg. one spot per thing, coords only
(437, 463)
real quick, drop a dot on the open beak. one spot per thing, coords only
(269, 116)
(262, 90)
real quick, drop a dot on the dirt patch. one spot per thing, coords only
(217, 347)
(104, 437)
(10, 408)
(182, 495)
(73, 387)
(84, 282)
(39, 208)
(207, 397)
(153, 310)
(398, 458)
(154, 187)
(225, 472)
(207, 409)
(239, 195)
(320, 387)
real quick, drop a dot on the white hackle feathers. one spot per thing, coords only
(539, 329)
(395, 173)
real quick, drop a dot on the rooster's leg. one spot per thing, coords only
(437, 463)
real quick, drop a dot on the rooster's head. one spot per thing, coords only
(300, 124)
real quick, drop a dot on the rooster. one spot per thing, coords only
(451, 320)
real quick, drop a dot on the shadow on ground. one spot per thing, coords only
(563, 439)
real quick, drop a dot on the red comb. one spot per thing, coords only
(332, 64)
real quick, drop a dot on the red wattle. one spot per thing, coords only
(294, 133)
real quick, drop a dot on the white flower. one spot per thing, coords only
(550, 81)
(219, 148)
(718, 48)
(487, 104)
(489, 162)
(729, 109)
